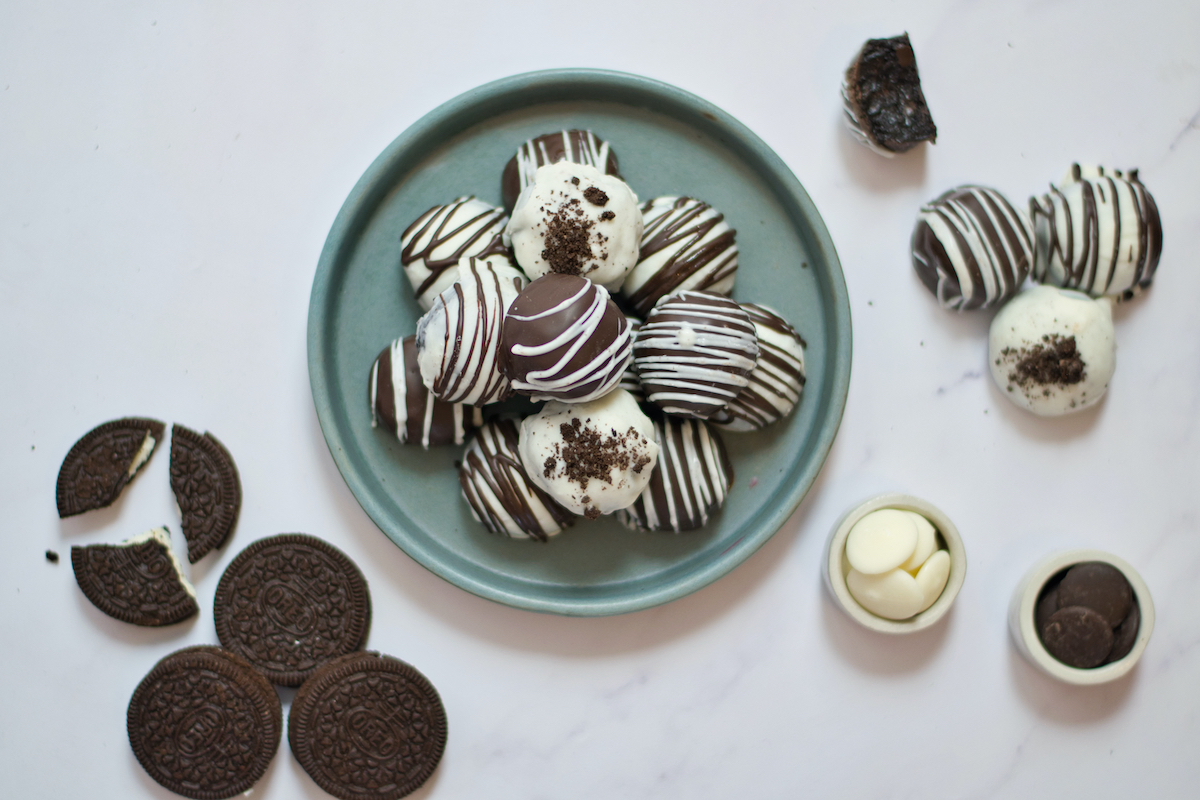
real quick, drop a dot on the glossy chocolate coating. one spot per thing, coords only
(564, 339)
(777, 378)
(579, 147)
(884, 105)
(432, 246)
(402, 405)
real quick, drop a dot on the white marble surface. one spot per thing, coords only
(168, 172)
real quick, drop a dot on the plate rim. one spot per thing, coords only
(582, 84)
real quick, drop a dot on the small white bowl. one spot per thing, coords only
(1022, 609)
(834, 565)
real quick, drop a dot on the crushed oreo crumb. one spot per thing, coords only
(575, 181)
(52, 556)
(605, 216)
(596, 197)
(1053, 362)
(586, 454)
(567, 250)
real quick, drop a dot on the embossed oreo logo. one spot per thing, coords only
(287, 608)
(200, 730)
(372, 734)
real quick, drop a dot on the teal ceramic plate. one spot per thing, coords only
(668, 142)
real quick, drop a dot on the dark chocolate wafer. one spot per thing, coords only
(367, 727)
(137, 581)
(1098, 586)
(207, 489)
(1078, 637)
(290, 603)
(98, 466)
(204, 724)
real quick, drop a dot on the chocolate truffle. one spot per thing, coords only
(575, 220)
(686, 244)
(972, 248)
(1099, 232)
(579, 147)
(692, 478)
(695, 352)
(776, 380)
(884, 105)
(565, 339)
(402, 404)
(629, 378)
(1052, 351)
(499, 491)
(458, 340)
(594, 458)
(432, 246)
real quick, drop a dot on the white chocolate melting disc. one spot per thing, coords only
(932, 577)
(881, 541)
(926, 543)
(892, 595)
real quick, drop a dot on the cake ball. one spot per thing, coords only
(691, 479)
(565, 339)
(1099, 232)
(776, 380)
(432, 246)
(686, 244)
(499, 491)
(594, 458)
(458, 340)
(695, 352)
(579, 147)
(1052, 350)
(629, 378)
(972, 248)
(402, 404)
(575, 220)
(884, 106)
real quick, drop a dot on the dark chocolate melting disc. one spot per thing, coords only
(498, 490)
(1098, 586)
(138, 581)
(204, 724)
(885, 107)
(564, 339)
(690, 480)
(972, 248)
(402, 405)
(100, 464)
(368, 727)
(695, 352)
(1078, 637)
(1125, 634)
(290, 603)
(207, 488)
(576, 146)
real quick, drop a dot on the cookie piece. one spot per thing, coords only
(884, 106)
(207, 488)
(367, 727)
(403, 405)
(138, 581)
(204, 724)
(98, 466)
(576, 146)
(290, 603)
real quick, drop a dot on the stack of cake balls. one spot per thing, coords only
(1094, 239)
(616, 313)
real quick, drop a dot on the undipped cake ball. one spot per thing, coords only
(1052, 351)
(1099, 232)
(694, 353)
(432, 246)
(576, 146)
(972, 248)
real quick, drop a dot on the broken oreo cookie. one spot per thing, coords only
(138, 581)
(207, 489)
(98, 466)
(290, 603)
(884, 106)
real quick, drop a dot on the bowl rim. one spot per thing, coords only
(835, 579)
(1024, 603)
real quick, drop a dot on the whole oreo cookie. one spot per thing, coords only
(207, 488)
(290, 603)
(576, 146)
(98, 466)
(138, 581)
(204, 724)
(368, 727)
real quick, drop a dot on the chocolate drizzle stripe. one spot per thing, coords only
(438, 239)
(692, 477)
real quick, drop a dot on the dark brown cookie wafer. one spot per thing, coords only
(98, 466)
(290, 603)
(367, 727)
(137, 581)
(207, 489)
(204, 723)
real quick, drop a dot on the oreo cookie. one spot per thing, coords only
(139, 581)
(207, 489)
(100, 464)
(290, 603)
(204, 724)
(367, 727)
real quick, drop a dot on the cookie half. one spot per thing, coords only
(139, 581)
(98, 466)
(207, 489)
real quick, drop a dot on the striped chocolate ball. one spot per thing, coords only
(691, 480)
(432, 246)
(402, 405)
(972, 248)
(694, 353)
(629, 379)
(576, 146)
(777, 379)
